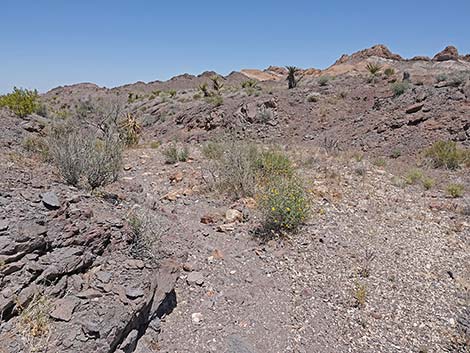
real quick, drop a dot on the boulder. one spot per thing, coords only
(414, 108)
(50, 200)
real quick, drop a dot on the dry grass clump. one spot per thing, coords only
(78, 153)
(146, 231)
(414, 175)
(174, 154)
(34, 323)
(104, 161)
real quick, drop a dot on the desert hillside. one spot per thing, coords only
(266, 211)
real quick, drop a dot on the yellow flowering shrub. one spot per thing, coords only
(284, 204)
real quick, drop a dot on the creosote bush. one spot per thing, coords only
(446, 154)
(22, 102)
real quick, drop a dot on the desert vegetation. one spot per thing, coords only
(165, 208)
(21, 102)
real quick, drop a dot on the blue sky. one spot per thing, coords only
(46, 43)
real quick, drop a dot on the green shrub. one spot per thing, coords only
(457, 79)
(446, 154)
(264, 115)
(155, 144)
(215, 100)
(22, 102)
(428, 183)
(284, 204)
(455, 190)
(413, 176)
(323, 80)
(399, 88)
(174, 154)
(380, 162)
(389, 71)
(274, 163)
(313, 98)
(395, 154)
(172, 93)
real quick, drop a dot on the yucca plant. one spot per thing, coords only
(203, 87)
(130, 130)
(291, 79)
(374, 69)
(250, 84)
(216, 84)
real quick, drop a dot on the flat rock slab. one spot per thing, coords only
(64, 309)
(195, 278)
(236, 344)
(50, 200)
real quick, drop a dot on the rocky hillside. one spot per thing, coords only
(162, 259)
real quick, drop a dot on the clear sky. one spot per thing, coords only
(46, 43)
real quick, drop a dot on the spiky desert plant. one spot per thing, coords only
(374, 69)
(291, 79)
(130, 130)
(203, 87)
(216, 84)
(250, 84)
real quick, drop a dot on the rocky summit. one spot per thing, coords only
(266, 211)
